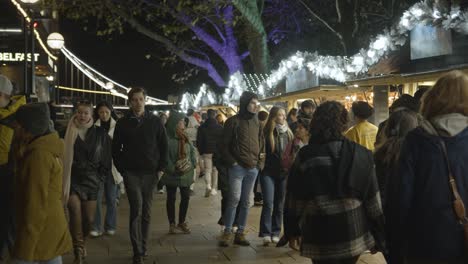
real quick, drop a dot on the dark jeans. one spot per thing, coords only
(183, 206)
(81, 220)
(274, 192)
(7, 227)
(110, 190)
(257, 194)
(140, 186)
(337, 261)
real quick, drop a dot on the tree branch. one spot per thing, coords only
(212, 72)
(325, 23)
(216, 27)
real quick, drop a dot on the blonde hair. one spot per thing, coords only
(449, 95)
(271, 125)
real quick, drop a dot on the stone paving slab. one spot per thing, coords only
(200, 247)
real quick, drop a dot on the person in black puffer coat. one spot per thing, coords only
(208, 137)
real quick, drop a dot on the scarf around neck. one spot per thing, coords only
(73, 129)
(282, 128)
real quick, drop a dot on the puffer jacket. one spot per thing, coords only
(6, 133)
(243, 140)
(92, 162)
(171, 177)
(209, 135)
(41, 226)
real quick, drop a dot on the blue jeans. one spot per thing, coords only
(109, 188)
(274, 193)
(57, 260)
(241, 182)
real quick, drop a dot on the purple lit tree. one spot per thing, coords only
(204, 34)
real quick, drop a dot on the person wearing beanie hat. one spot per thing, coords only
(363, 133)
(41, 227)
(244, 154)
(8, 106)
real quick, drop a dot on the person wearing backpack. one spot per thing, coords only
(273, 179)
(244, 154)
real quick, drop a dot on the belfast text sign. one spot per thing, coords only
(10, 56)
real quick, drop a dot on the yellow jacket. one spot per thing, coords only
(6, 133)
(363, 133)
(41, 226)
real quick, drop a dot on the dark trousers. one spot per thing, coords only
(81, 220)
(337, 261)
(140, 186)
(7, 226)
(183, 206)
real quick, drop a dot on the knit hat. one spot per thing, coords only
(5, 85)
(34, 118)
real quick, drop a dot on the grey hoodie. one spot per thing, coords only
(448, 125)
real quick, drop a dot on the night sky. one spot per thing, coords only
(122, 58)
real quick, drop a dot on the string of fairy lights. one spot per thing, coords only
(343, 68)
(110, 86)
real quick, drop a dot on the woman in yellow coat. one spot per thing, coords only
(41, 226)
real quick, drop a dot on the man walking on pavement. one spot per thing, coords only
(244, 154)
(139, 149)
(8, 106)
(209, 135)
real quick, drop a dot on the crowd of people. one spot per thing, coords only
(329, 189)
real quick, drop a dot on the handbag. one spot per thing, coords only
(183, 165)
(458, 205)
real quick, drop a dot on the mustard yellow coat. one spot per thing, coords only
(6, 133)
(41, 227)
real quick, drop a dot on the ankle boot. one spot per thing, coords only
(79, 256)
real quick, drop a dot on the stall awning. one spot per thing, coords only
(328, 91)
(396, 79)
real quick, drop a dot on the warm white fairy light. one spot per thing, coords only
(342, 68)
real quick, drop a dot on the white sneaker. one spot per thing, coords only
(95, 233)
(161, 191)
(275, 239)
(234, 229)
(214, 192)
(266, 240)
(110, 232)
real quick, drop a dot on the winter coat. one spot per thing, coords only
(41, 227)
(209, 135)
(6, 133)
(92, 162)
(273, 163)
(115, 173)
(171, 177)
(420, 215)
(333, 201)
(139, 144)
(243, 140)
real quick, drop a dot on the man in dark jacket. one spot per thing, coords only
(307, 111)
(208, 137)
(244, 155)
(139, 149)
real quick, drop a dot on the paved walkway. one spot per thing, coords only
(200, 247)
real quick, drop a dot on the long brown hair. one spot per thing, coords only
(449, 95)
(398, 125)
(271, 125)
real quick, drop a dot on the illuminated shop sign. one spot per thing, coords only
(10, 56)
